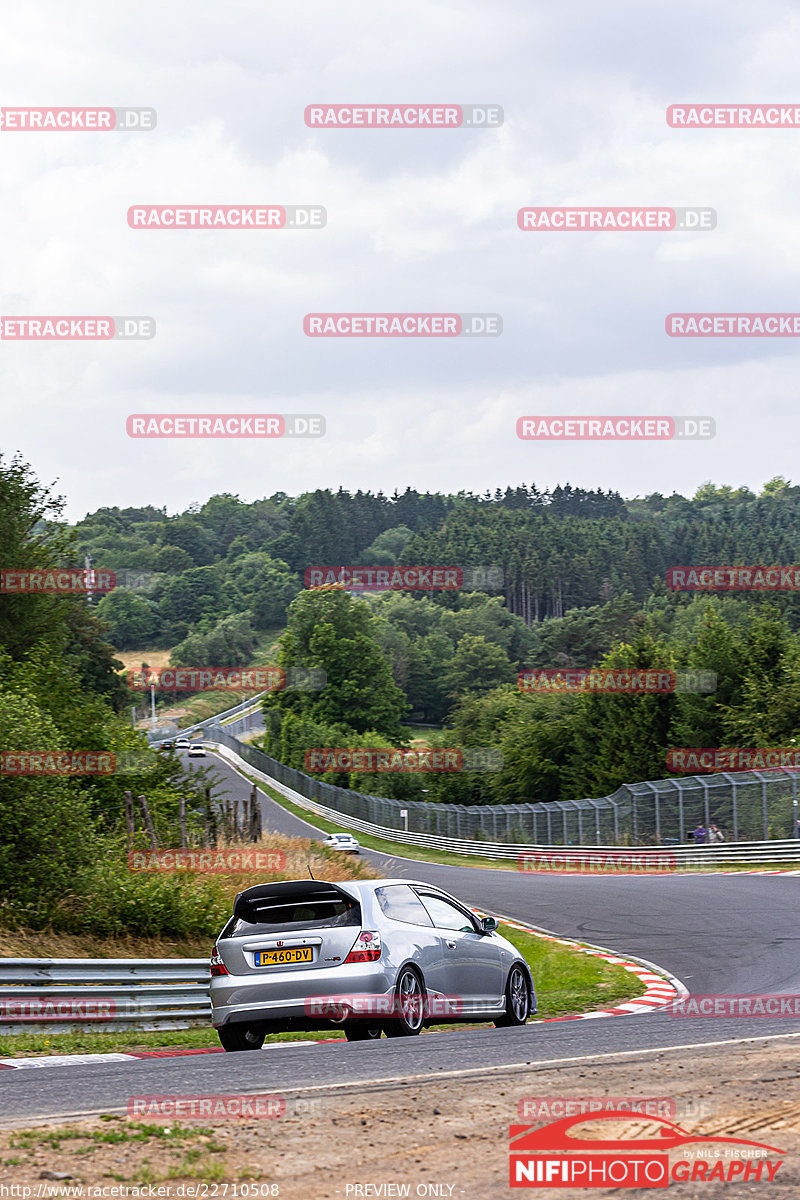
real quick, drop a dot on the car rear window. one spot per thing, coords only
(399, 903)
(315, 912)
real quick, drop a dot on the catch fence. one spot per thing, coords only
(746, 806)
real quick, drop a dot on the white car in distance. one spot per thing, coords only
(342, 841)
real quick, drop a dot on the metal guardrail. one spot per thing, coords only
(748, 807)
(67, 994)
(786, 851)
(219, 718)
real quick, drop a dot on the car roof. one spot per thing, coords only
(369, 885)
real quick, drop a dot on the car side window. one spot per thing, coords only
(399, 903)
(446, 915)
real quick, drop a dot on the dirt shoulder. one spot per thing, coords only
(442, 1137)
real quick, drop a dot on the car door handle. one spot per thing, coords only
(450, 945)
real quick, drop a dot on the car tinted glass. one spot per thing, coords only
(299, 914)
(446, 915)
(399, 903)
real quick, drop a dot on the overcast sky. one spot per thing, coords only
(418, 221)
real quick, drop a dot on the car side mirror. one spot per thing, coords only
(488, 924)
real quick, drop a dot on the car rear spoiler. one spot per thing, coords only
(247, 904)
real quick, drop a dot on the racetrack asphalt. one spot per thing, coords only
(731, 934)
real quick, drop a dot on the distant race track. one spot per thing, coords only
(727, 934)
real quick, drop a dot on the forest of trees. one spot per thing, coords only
(553, 551)
(62, 837)
(579, 581)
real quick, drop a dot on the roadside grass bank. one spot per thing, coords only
(141, 912)
(567, 983)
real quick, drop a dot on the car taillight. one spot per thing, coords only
(217, 965)
(366, 948)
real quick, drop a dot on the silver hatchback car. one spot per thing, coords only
(384, 956)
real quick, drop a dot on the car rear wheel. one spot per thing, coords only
(240, 1037)
(360, 1031)
(518, 998)
(409, 1001)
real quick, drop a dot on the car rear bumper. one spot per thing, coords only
(362, 989)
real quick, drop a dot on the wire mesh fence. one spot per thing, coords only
(746, 806)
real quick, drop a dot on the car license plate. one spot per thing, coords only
(268, 958)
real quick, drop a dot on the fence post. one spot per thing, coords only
(255, 817)
(249, 813)
(148, 823)
(130, 827)
(707, 806)
(735, 812)
(182, 820)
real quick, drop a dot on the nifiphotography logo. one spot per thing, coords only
(553, 1156)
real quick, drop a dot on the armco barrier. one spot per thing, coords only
(786, 852)
(67, 994)
(239, 710)
(749, 806)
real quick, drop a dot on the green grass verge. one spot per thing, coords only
(567, 982)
